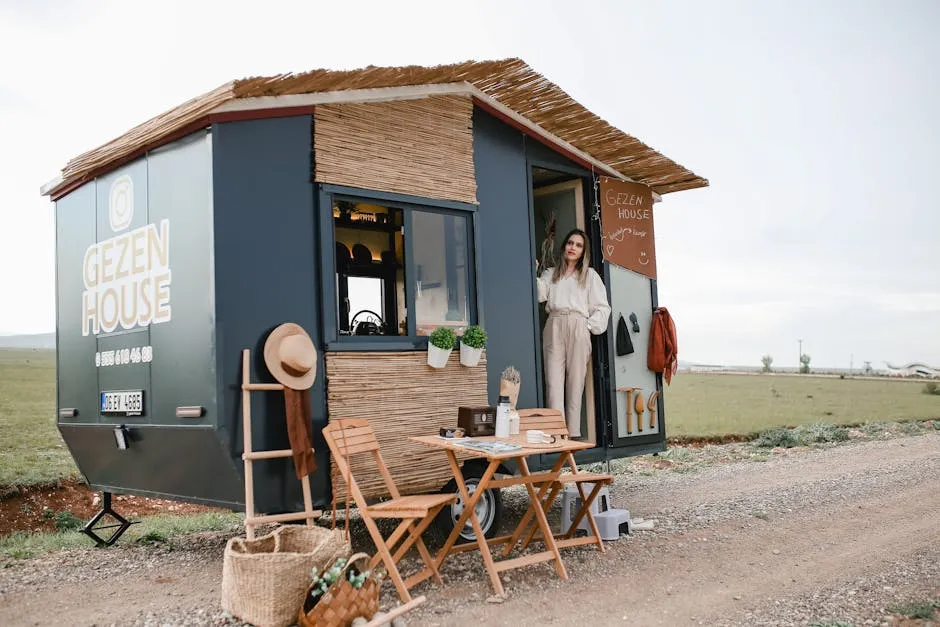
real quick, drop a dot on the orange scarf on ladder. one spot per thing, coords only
(299, 426)
(663, 353)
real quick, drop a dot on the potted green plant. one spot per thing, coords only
(440, 344)
(472, 343)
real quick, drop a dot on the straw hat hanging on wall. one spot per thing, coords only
(291, 356)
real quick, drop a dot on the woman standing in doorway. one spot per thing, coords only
(576, 302)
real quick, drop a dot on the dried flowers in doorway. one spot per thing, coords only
(547, 257)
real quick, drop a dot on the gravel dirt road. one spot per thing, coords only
(818, 535)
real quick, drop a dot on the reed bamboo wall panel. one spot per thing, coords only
(400, 396)
(511, 82)
(422, 147)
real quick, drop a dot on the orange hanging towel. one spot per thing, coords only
(299, 430)
(663, 353)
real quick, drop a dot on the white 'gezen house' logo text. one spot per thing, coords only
(126, 277)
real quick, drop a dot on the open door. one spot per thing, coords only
(558, 208)
(632, 294)
(626, 212)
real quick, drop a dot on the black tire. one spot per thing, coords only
(489, 507)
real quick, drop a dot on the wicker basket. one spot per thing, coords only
(263, 580)
(342, 602)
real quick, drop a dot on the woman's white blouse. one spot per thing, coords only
(568, 295)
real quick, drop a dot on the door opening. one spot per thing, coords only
(558, 202)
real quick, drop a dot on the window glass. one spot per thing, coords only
(370, 275)
(439, 249)
(371, 247)
(365, 297)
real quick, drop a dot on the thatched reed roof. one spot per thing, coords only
(505, 85)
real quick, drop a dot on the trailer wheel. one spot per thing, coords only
(489, 507)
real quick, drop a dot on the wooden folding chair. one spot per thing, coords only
(552, 422)
(350, 436)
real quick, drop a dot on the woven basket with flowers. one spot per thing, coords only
(341, 593)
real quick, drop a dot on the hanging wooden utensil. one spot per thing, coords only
(651, 405)
(629, 392)
(639, 409)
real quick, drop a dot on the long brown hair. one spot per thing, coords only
(584, 263)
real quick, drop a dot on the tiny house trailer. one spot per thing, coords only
(370, 207)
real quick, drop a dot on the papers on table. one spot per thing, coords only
(487, 446)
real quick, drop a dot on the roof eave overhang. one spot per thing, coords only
(293, 104)
(50, 186)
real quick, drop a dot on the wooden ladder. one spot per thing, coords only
(252, 518)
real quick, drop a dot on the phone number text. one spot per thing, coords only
(124, 356)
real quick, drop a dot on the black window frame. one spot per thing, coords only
(327, 195)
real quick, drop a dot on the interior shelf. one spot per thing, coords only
(362, 225)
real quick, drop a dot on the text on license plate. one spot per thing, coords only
(128, 402)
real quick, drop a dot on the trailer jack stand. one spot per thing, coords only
(122, 523)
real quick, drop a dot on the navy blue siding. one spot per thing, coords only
(183, 371)
(267, 272)
(190, 463)
(545, 157)
(506, 277)
(77, 382)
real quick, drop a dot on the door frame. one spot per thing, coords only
(577, 185)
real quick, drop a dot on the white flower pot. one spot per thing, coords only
(469, 356)
(437, 357)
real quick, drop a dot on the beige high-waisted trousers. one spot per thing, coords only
(566, 350)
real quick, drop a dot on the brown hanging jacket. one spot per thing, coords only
(663, 353)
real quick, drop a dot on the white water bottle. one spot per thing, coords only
(502, 417)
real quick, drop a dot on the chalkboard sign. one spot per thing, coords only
(627, 225)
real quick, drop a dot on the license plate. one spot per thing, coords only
(127, 402)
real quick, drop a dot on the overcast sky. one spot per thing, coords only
(816, 122)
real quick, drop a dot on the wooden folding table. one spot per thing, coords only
(526, 478)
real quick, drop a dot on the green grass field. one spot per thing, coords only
(32, 452)
(723, 404)
(160, 529)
